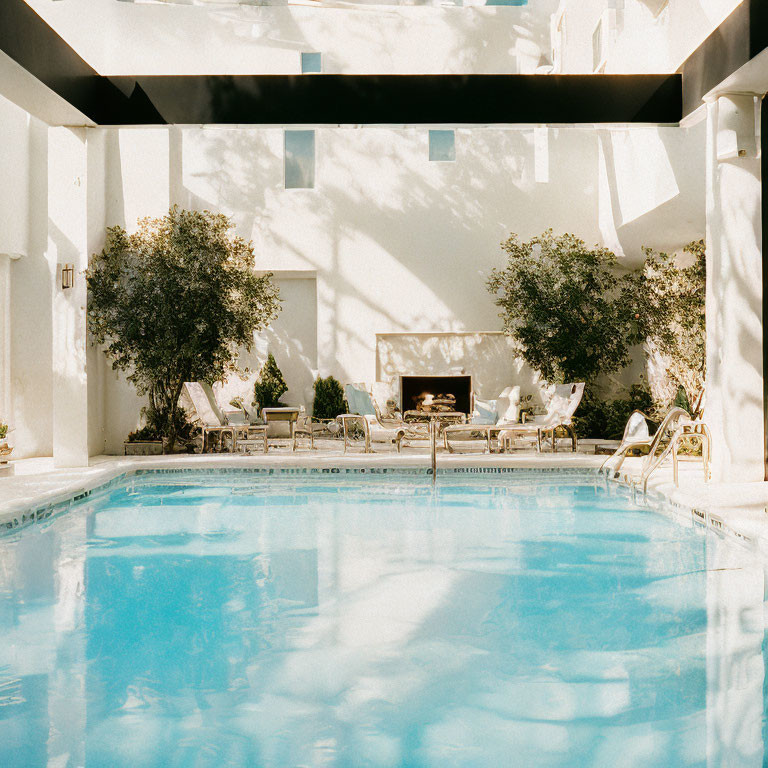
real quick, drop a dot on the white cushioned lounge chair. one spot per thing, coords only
(488, 416)
(564, 399)
(198, 399)
(363, 410)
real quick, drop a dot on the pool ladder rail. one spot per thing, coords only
(433, 448)
(682, 428)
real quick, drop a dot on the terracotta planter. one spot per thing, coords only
(143, 448)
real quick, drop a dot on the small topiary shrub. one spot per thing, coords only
(270, 386)
(329, 399)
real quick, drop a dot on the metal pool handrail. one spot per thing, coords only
(668, 423)
(433, 448)
(689, 429)
(683, 429)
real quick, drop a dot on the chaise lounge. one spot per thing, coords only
(488, 416)
(563, 402)
(364, 410)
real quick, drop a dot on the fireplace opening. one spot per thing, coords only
(436, 393)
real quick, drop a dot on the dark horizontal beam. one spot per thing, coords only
(413, 99)
(741, 37)
(30, 42)
(331, 99)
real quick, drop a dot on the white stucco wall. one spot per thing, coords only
(389, 242)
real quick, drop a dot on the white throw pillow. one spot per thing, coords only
(508, 405)
(484, 412)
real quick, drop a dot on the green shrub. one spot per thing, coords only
(606, 419)
(3, 430)
(159, 423)
(270, 386)
(145, 433)
(329, 399)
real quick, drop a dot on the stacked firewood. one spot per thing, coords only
(441, 403)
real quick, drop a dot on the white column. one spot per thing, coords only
(67, 244)
(6, 260)
(96, 363)
(734, 406)
(5, 337)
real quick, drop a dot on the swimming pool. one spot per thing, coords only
(521, 620)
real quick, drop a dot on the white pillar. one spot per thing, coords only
(96, 364)
(67, 244)
(734, 406)
(5, 335)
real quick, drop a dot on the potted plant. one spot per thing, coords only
(146, 441)
(5, 449)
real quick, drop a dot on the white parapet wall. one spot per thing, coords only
(185, 38)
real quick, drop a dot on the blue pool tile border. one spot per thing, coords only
(16, 521)
(653, 500)
(364, 471)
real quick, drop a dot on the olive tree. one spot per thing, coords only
(568, 308)
(174, 302)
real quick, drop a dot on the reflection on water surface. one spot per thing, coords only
(273, 622)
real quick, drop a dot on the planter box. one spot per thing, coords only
(143, 448)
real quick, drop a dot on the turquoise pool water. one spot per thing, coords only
(208, 620)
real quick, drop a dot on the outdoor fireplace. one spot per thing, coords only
(436, 393)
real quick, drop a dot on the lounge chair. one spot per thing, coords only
(488, 416)
(563, 401)
(198, 397)
(364, 411)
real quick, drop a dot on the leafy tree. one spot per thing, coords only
(329, 399)
(673, 298)
(270, 386)
(567, 307)
(173, 302)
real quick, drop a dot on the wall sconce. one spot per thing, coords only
(67, 276)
